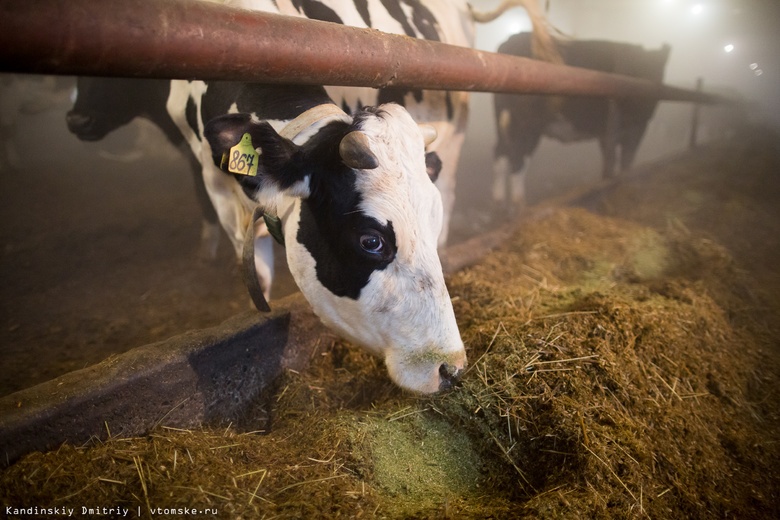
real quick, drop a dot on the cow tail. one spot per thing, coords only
(543, 44)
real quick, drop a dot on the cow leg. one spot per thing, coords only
(509, 184)
(517, 181)
(501, 180)
(629, 145)
(210, 229)
(451, 133)
(449, 153)
(226, 196)
(209, 240)
(608, 158)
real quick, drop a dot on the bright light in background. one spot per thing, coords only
(517, 27)
(491, 35)
(697, 8)
(665, 5)
(728, 48)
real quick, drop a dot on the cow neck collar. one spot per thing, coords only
(301, 128)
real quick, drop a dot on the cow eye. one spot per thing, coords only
(372, 243)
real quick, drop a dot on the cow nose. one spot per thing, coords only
(76, 120)
(450, 376)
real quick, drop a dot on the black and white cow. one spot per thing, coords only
(103, 105)
(447, 21)
(619, 125)
(346, 172)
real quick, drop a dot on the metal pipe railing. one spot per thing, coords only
(189, 39)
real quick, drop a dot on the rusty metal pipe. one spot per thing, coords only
(188, 39)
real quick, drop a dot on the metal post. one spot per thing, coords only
(190, 39)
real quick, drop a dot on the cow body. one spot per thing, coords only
(103, 105)
(441, 20)
(360, 215)
(619, 125)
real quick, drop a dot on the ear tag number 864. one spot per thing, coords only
(243, 157)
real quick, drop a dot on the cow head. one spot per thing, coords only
(361, 220)
(104, 104)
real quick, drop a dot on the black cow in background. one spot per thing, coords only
(105, 104)
(619, 125)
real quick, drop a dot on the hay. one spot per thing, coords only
(619, 369)
(628, 398)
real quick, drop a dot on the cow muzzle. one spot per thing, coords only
(83, 126)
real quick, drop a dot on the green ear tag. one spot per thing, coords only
(243, 157)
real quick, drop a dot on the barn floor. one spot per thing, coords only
(102, 255)
(625, 364)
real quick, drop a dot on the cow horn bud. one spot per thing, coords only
(356, 153)
(429, 133)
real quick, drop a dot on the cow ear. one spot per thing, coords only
(253, 152)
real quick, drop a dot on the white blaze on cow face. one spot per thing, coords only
(361, 244)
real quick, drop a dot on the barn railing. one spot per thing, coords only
(198, 40)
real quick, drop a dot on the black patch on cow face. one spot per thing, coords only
(346, 249)
(346, 245)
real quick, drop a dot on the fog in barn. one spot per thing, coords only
(728, 44)
(610, 264)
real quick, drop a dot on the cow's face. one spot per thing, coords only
(361, 221)
(104, 104)
(98, 108)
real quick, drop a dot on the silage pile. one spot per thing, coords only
(617, 371)
(634, 376)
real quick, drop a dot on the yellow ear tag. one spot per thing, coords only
(243, 158)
